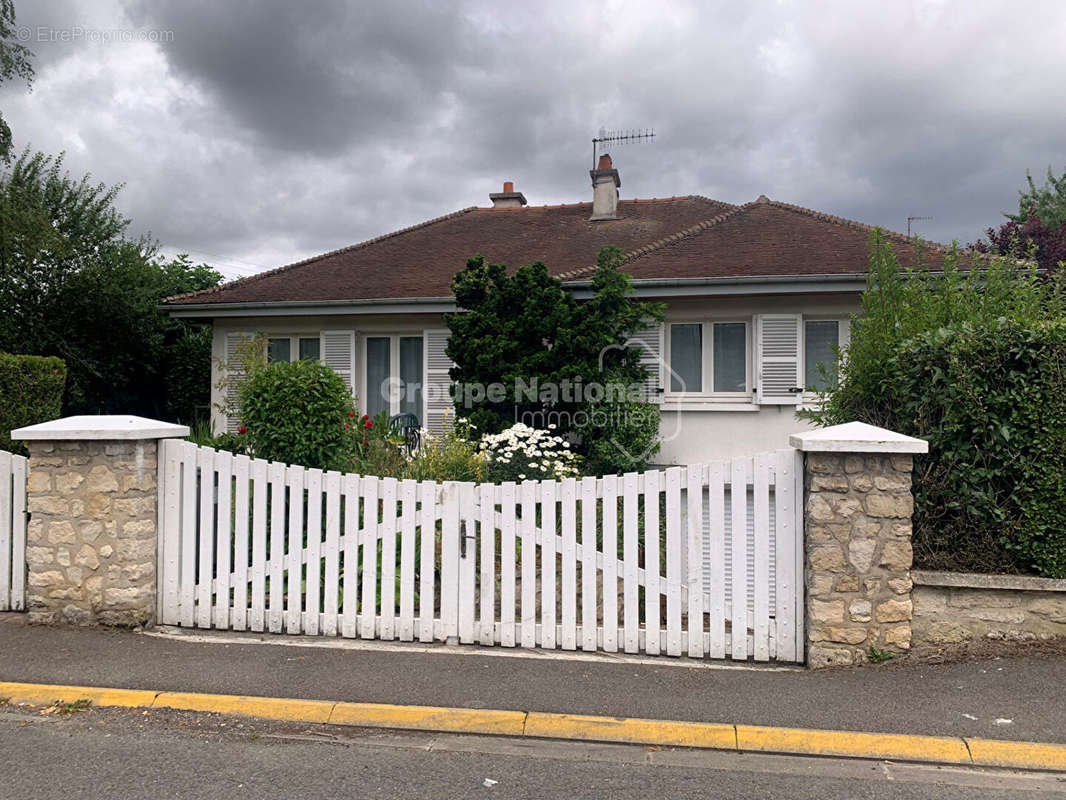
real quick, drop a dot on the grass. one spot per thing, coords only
(64, 708)
(878, 656)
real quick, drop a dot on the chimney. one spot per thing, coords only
(508, 198)
(605, 183)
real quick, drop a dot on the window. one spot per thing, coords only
(717, 349)
(281, 348)
(394, 375)
(820, 340)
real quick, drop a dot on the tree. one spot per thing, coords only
(1038, 230)
(527, 331)
(73, 285)
(14, 63)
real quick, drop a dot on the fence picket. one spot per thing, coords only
(313, 566)
(487, 547)
(507, 564)
(223, 536)
(331, 579)
(189, 488)
(674, 578)
(427, 560)
(449, 561)
(8, 488)
(716, 543)
(19, 473)
(739, 478)
(630, 591)
(241, 516)
(761, 558)
(350, 585)
(294, 599)
(276, 571)
(369, 541)
(205, 536)
(171, 566)
(409, 498)
(652, 591)
(609, 582)
(548, 565)
(569, 564)
(467, 560)
(785, 613)
(387, 621)
(694, 489)
(259, 524)
(588, 564)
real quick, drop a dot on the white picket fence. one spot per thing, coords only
(12, 532)
(674, 562)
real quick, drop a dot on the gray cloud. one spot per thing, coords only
(264, 132)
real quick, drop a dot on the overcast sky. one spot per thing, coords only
(251, 134)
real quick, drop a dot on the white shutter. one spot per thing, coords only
(234, 374)
(649, 342)
(437, 390)
(338, 353)
(777, 346)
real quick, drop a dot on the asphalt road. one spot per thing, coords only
(1009, 698)
(154, 755)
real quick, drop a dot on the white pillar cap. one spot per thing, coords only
(103, 427)
(856, 437)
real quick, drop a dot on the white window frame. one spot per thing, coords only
(707, 394)
(843, 337)
(294, 342)
(394, 368)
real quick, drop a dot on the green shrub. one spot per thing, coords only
(31, 391)
(972, 361)
(451, 456)
(299, 412)
(620, 432)
(991, 402)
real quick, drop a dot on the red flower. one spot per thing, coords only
(368, 424)
(351, 413)
(366, 416)
(242, 430)
(365, 441)
(346, 425)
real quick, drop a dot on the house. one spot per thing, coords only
(757, 296)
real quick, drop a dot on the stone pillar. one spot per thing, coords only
(92, 502)
(857, 542)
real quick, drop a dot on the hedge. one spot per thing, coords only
(31, 391)
(991, 401)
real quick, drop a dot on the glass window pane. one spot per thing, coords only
(411, 375)
(730, 357)
(377, 375)
(686, 358)
(820, 342)
(279, 349)
(309, 348)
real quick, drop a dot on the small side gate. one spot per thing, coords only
(703, 561)
(12, 532)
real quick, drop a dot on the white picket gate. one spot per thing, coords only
(12, 532)
(681, 561)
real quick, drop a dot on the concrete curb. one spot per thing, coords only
(965, 751)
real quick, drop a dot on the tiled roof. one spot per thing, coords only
(676, 237)
(420, 261)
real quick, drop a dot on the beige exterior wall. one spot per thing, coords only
(694, 429)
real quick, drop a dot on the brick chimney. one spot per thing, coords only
(508, 198)
(605, 183)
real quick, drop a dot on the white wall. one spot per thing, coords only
(692, 437)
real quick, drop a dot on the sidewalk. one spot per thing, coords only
(908, 699)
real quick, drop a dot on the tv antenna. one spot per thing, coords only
(913, 219)
(621, 137)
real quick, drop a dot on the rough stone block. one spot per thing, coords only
(895, 610)
(889, 505)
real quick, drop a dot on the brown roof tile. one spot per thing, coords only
(420, 261)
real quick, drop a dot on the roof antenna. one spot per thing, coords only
(913, 219)
(606, 137)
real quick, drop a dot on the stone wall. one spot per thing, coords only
(954, 609)
(858, 556)
(91, 537)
